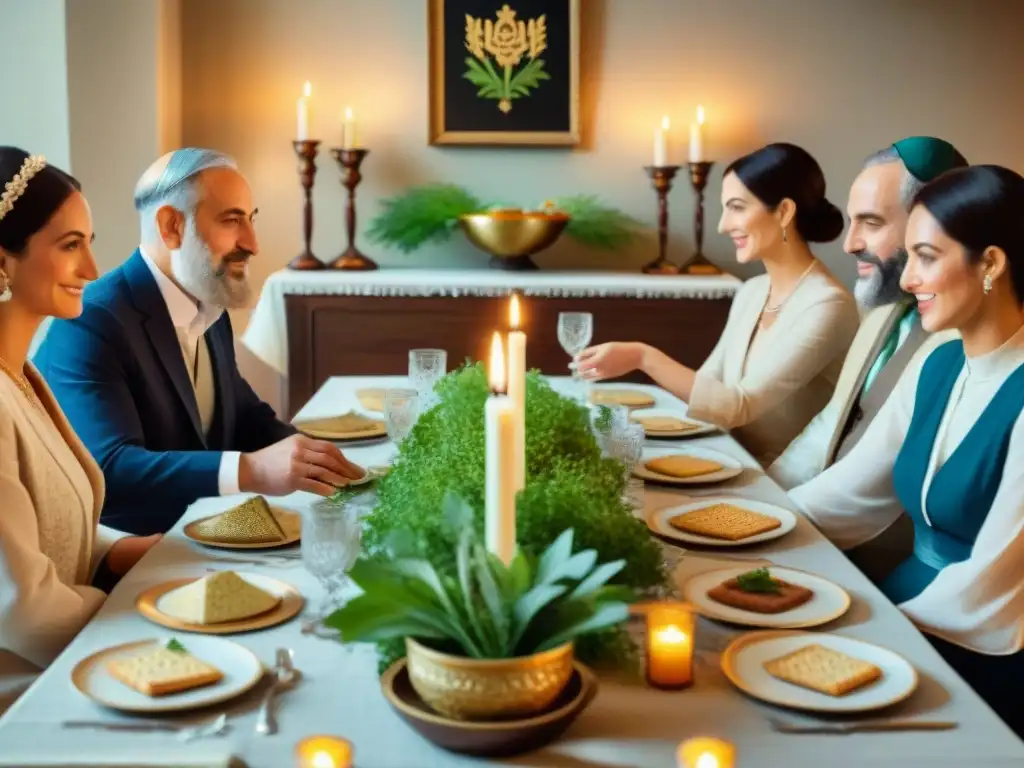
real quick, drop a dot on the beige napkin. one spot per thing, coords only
(371, 399)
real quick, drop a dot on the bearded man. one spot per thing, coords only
(147, 374)
(890, 334)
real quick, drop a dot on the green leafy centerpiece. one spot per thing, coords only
(431, 213)
(568, 485)
(490, 641)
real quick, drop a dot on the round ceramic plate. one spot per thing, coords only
(829, 602)
(730, 466)
(313, 429)
(743, 662)
(695, 428)
(658, 521)
(148, 604)
(240, 667)
(290, 522)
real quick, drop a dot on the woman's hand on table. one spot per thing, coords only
(125, 553)
(610, 360)
(297, 463)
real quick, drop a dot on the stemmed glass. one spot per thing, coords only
(626, 446)
(401, 407)
(575, 330)
(606, 420)
(426, 367)
(331, 533)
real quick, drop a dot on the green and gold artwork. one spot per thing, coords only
(505, 63)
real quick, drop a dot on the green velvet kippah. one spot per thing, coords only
(927, 157)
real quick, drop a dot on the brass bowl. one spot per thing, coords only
(488, 689)
(512, 236)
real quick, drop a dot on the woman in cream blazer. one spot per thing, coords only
(52, 548)
(778, 359)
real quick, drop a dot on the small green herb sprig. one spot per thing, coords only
(758, 580)
(174, 645)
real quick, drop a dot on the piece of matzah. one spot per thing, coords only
(161, 671)
(682, 466)
(822, 669)
(725, 521)
(631, 398)
(251, 522)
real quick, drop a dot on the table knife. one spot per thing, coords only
(141, 727)
(865, 727)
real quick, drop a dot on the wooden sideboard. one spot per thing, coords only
(363, 324)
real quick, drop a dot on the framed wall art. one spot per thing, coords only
(504, 72)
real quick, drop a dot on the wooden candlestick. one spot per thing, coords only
(350, 160)
(662, 176)
(306, 149)
(699, 265)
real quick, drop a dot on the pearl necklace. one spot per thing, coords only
(22, 383)
(777, 307)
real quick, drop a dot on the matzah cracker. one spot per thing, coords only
(161, 671)
(631, 398)
(665, 424)
(251, 522)
(371, 399)
(682, 466)
(823, 669)
(346, 424)
(725, 521)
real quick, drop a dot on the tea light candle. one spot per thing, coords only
(517, 390)
(706, 753)
(499, 481)
(324, 752)
(661, 143)
(697, 137)
(304, 112)
(670, 645)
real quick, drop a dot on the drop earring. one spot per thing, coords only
(5, 294)
(785, 235)
(986, 284)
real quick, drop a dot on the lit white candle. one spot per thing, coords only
(661, 143)
(705, 752)
(499, 492)
(348, 130)
(304, 113)
(517, 390)
(697, 137)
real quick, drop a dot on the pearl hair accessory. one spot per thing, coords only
(15, 188)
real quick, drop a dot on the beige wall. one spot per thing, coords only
(124, 85)
(839, 78)
(34, 87)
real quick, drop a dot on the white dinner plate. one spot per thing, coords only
(743, 663)
(241, 669)
(702, 427)
(730, 467)
(829, 602)
(658, 521)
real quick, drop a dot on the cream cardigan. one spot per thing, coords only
(766, 388)
(51, 492)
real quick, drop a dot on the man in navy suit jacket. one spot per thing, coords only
(147, 374)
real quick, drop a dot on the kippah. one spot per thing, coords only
(926, 157)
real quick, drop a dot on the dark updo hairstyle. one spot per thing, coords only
(44, 194)
(779, 171)
(980, 207)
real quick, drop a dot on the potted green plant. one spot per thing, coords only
(494, 641)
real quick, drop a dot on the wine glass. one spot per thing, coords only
(401, 408)
(575, 330)
(331, 533)
(426, 367)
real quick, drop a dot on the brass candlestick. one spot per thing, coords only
(306, 149)
(699, 265)
(662, 176)
(350, 160)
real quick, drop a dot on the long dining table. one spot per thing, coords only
(627, 724)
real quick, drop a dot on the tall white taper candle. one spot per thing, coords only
(499, 491)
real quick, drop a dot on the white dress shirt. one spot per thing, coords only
(191, 322)
(977, 603)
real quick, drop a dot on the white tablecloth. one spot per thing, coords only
(627, 724)
(267, 333)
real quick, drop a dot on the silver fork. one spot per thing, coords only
(285, 676)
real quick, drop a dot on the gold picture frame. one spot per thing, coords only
(461, 115)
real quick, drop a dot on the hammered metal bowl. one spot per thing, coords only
(512, 235)
(488, 689)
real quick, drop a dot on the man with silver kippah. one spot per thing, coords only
(147, 374)
(890, 334)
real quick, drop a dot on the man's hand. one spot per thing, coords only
(125, 553)
(297, 463)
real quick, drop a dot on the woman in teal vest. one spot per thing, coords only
(949, 443)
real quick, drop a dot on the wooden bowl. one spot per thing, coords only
(492, 738)
(488, 689)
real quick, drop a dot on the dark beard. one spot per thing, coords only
(883, 286)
